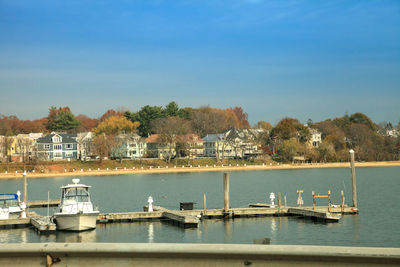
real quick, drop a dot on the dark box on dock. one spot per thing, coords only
(186, 205)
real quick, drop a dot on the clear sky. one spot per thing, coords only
(303, 59)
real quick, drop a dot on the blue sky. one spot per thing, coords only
(303, 59)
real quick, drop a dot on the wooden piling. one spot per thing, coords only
(226, 192)
(205, 204)
(313, 200)
(353, 176)
(329, 200)
(279, 200)
(25, 188)
(285, 200)
(342, 200)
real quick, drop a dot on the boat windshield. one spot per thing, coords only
(8, 200)
(77, 194)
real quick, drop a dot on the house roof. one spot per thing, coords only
(212, 137)
(152, 138)
(189, 138)
(66, 138)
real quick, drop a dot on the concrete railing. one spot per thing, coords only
(151, 254)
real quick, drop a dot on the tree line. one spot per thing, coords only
(284, 141)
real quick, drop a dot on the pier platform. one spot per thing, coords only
(42, 203)
(316, 215)
(42, 224)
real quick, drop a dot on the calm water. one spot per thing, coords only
(378, 223)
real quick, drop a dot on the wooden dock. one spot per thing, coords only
(42, 203)
(42, 224)
(159, 213)
(315, 215)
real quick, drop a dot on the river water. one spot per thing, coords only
(378, 223)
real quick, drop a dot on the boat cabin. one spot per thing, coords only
(75, 198)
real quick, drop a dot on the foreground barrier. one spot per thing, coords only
(158, 254)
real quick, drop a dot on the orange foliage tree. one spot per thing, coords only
(114, 125)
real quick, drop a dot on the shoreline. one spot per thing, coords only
(200, 169)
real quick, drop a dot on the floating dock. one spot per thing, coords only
(42, 224)
(314, 215)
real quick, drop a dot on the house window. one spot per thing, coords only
(56, 139)
(58, 154)
(46, 146)
(68, 154)
(57, 147)
(68, 146)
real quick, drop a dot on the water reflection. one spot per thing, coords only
(228, 231)
(151, 232)
(73, 237)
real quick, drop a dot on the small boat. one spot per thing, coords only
(75, 212)
(10, 207)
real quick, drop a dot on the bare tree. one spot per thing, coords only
(103, 145)
(169, 130)
(6, 143)
(24, 147)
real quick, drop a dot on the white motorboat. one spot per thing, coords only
(10, 206)
(75, 212)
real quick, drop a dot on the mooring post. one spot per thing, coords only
(313, 200)
(329, 200)
(25, 187)
(279, 200)
(353, 176)
(342, 202)
(226, 192)
(205, 204)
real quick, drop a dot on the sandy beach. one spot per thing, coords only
(197, 169)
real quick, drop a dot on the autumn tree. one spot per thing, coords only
(103, 145)
(86, 123)
(327, 152)
(114, 125)
(112, 113)
(264, 125)
(169, 131)
(290, 148)
(61, 119)
(291, 128)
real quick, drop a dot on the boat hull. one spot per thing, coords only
(76, 222)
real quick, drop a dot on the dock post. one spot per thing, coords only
(313, 200)
(342, 200)
(25, 187)
(329, 200)
(226, 192)
(279, 200)
(284, 198)
(205, 204)
(353, 176)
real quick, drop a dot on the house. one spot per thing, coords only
(25, 146)
(191, 146)
(130, 146)
(315, 138)
(244, 142)
(216, 145)
(85, 146)
(57, 146)
(158, 149)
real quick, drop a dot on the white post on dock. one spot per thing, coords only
(150, 200)
(226, 192)
(353, 176)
